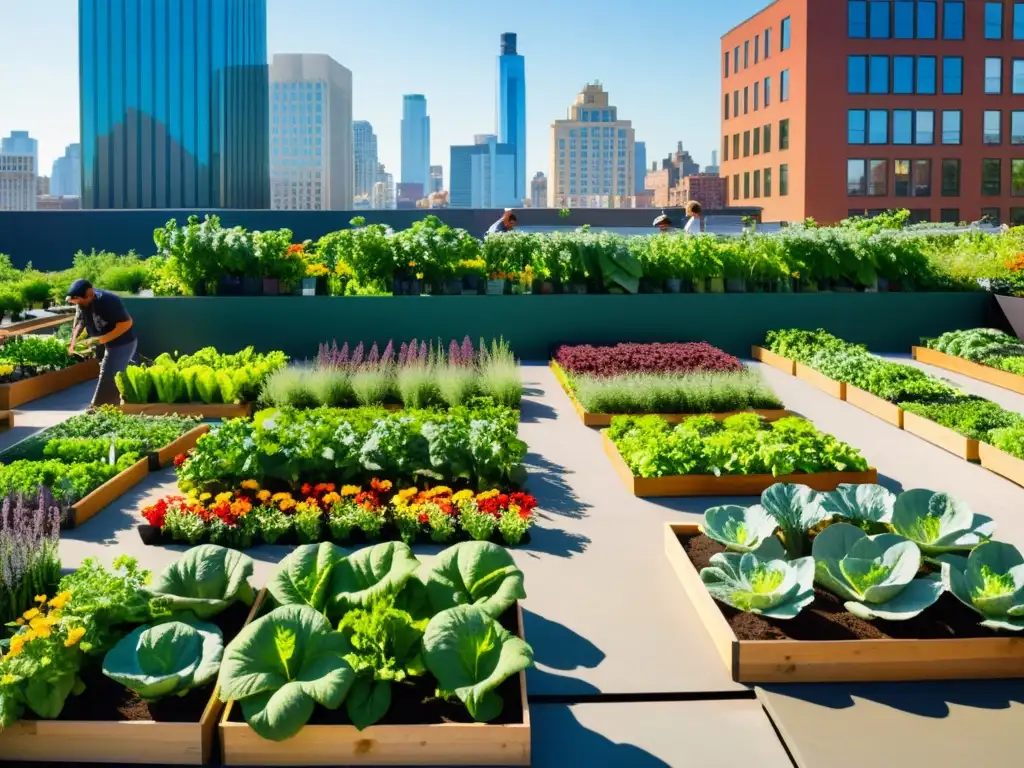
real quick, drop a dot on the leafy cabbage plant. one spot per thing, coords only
(304, 576)
(939, 523)
(370, 573)
(797, 509)
(990, 581)
(473, 573)
(875, 575)
(205, 580)
(166, 659)
(744, 529)
(281, 666)
(471, 654)
(860, 504)
(774, 588)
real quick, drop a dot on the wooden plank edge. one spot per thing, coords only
(986, 373)
(165, 456)
(942, 437)
(773, 360)
(36, 324)
(1001, 463)
(872, 404)
(87, 507)
(17, 393)
(821, 382)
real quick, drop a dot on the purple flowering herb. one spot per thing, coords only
(414, 351)
(388, 355)
(357, 355)
(29, 551)
(424, 355)
(454, 353)
(343, 354)
(374, 357)
(468, 355)
(403, 354)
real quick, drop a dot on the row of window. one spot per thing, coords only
(917, 75)
(732, 59)
(758, 183)
(907, 19)
(759, 139)
(917, 126)
(757, 91)
(913, 178)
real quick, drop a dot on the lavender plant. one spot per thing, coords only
(29, 551)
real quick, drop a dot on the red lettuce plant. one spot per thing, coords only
(620, 359)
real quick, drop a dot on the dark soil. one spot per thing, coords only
(107, 700)
(827, 619)
(414, 704)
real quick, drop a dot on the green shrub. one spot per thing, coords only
(11, 303)
(35, 291)
(126, 278)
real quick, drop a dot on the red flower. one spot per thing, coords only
(424, 518)
(525, 501)
(180, 459)
(156, 514)
(307, 489)
(368, 500)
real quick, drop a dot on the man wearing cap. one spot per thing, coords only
(663, 222)
(107, 324)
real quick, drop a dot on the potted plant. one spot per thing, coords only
(523, 282)
(472, 272)
(190, 251)
(496, 283)
(315, 281)
(706, 267)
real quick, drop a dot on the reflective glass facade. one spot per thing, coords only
(174, 103)
(512, 106)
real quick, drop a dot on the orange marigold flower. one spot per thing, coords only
(287, 504)
(263, 495)
(331, 498)
(381, 486)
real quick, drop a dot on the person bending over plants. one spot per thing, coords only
(108, 325)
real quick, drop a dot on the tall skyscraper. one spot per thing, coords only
(639, 165)
(365, 156)
(539, 191)
(604, 145)
(311, 154)
(20, 143)
(174, 104)
(436, 179)
(415, 140)
(66, 176)
(511, 112)
(483, 174)
(17, 182)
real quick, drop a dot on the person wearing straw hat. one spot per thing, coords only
(663, 223)
(107, 324)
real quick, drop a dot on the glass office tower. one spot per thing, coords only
(511, 117)
(174, 103)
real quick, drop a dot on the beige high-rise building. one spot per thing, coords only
(592, 154)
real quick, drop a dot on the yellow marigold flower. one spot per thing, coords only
(205, 496)
(251, 485)
(484, 495)
(263, 495)
(59, 601)
(384, 485)
(287, 504)
(281, 496)
(350, 490)
(226, 496)
(40, 598)
(8, 679)
(30, 614)
(462, 496)
(407, 493)
(19, 621)
(330, 499)
(74, 636)
(17, 646)
(40, 626)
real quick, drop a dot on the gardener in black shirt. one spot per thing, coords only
(108, 325)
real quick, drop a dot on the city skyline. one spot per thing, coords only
(460, 87)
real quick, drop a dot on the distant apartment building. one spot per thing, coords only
(713, 169)
(708, 190)
(17, 182)
(366, 162)
(312, 155)
(21, 143)
(388, 182)
(436, 179)
(639, 166)
(52, 203)
(408, 195)
(42, 186)
(592, 154)
(66, 176)
(511, 107)
(539, 191)
(913, 105)
(415, 141)
(661, 181)
(482, 174)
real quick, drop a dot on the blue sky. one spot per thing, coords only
(658, 59)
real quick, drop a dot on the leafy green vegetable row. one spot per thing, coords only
(987, 346)
(743, 444)
(888, 557)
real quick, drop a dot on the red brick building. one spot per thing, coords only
(709, 191)
(836, 107)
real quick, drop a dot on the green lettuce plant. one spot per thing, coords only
(990, 581)
(304, 576)
(205, 580)
(370, 573)
(860, 504)
(166, 659)
(471, 654)
(744, 529)
(281, 666)
(875, 575)
(796, 509)
(475, 573)
(939, 523)
(774, 588)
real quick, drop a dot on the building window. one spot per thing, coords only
(994, 21)
(784, 86)
(1017, 127)
(757, 141)
(927, 14)
(952, 124)
(926, 75)
(903, 20)
(902, 126)
(746, 54)
(856, 178)
(726, 63)
(783, 135)
(878, 126)
(922, 186)
(757, 183)
(726, 107)
(767, 182)
(993, 75)
(735, 186)
(878, 178)
(857, 19)
(903, 74)
(746, 99)
(757, 95)
(878, 74)
(1017, 178)
(952, 75)
(783, 180)
(924, 126)
(1018, 21)
(785, 32)
(857, 74)
(878, 19)
(951, 178)
(1018, 76)
(991, 215)
(767, 43)
(856, 126)
(1016, 217)
(767, 91)
(901, 178)
(746, 185)
(735, 146)
(746, 143)
(767, 132)
(725, 149)
(953, 20)
(757, 48)
(735, 103)
(992, 127)
(949, 215)
(991, 177)
(735, 59)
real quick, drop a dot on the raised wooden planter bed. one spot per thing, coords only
(202, 410)
(875, 405)
(6, 419)
(342, 745)
(116, 741)
(111, 490)
(944, 437)
(19, 392)
(779, 362)
(165, 456)
(36, 324)
(725, 485)
(819, 381)
(605, 419)
(1001, 463)
(978, 371)
(819, 661)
